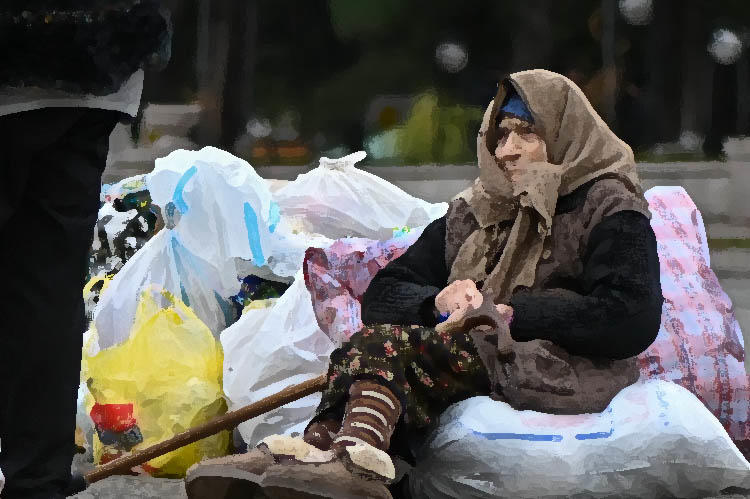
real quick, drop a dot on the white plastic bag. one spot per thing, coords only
(655, 439)
(225, 210)
(338, 200)
(217, 210)
(203, 286)
(269, 349)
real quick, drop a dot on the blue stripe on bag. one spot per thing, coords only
(274, 216)
(177, 197)
(592, 436)
(253, 236)
(532, 437)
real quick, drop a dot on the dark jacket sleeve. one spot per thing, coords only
(54, 48)
(403, 292)
(615, 310)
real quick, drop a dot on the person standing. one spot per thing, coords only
(69, 72)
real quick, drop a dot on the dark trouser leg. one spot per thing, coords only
(52, 161)
(427, 371)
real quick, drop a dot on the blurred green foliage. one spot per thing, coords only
(435, 134)
(364, 19)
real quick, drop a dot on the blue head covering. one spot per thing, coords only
(515, 106)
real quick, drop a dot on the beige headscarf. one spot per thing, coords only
(580, 148)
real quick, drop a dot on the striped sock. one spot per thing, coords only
(321, 433)
(370, 417)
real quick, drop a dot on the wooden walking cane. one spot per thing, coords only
(224, 422)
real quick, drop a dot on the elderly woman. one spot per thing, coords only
(539, 287)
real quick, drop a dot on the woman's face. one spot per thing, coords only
(518, 145)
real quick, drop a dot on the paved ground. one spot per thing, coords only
(135, 487)
(146, 487)
(155, 488)
(127, 487)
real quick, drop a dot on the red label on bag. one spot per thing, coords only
(113, 417)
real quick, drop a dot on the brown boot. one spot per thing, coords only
(324, 480)
(281, 467)
(229, 477)
(365, 436)
(321, 433)
(356, 465)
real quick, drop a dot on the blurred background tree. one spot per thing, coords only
(282, 81)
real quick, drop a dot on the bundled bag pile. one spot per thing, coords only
(228, 261)
(217, 211)
(279, 343)
(150, 324)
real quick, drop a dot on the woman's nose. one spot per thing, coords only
(511, 145)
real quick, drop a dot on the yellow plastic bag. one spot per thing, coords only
(84, 427)
(170, 369)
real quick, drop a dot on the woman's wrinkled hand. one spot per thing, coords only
(483, 315)
(458, 295)
(506, 312)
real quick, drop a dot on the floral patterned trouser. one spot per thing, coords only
(428, 371)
